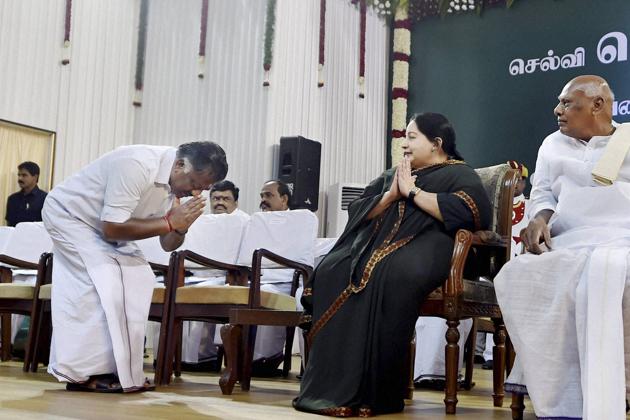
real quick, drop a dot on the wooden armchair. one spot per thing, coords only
(195, 303)
(21, 253)
(460, 298)
(289, 237)
(240, 334)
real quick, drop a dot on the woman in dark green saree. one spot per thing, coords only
(395, 250)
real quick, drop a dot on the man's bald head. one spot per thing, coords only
(585, 107)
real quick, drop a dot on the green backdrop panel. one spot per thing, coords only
(460, 66)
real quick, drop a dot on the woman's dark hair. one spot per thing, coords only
(433, 125)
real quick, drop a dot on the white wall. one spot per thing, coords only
(231, 106)
(89, 102)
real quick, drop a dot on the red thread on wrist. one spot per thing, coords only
(168, 222)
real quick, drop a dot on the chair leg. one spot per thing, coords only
(288, 348)
(498, 356)
(161, 356)
(5, 354)
(32, 333)
(231, 336)
(452, 359)
(166, 353)
(518, 406)
(469, 354)
(220, 356)
(247, 344)
(36, 340)
(171, 352)
(178, 350)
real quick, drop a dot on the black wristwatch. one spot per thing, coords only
(413, 192)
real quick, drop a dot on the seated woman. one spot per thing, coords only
(395, 250)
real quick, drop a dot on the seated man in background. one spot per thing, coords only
(275, 195)
(26, 205)
(224, 199)
(565, 303)
(102, 285)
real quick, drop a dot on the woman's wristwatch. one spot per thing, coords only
(413, 192)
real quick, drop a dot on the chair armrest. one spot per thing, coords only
(17, 263)
(208, 262)
(178, 258)
(301, 269)
(280, 260)
(455, 283)
(159, 267)
(490, 239)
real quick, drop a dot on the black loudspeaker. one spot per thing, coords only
(299, 169)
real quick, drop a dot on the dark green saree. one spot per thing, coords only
(364, 296)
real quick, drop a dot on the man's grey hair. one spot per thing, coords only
(598, 89)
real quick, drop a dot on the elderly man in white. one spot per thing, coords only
(102, 285)
(565, 303)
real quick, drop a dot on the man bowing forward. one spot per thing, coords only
(102, 284)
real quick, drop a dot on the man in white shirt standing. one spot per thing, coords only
(102, 285)
(565, 303)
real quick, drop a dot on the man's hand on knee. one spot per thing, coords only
(537, 233)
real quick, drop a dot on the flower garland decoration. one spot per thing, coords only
(400, 79)
(322, 39)
(270, 26)
(65, 54)
(362, 28)
(385, 7)
(141, 52)
(202, 39)
(461, 6)
(422, 9)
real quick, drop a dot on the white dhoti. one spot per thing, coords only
(563, 309)
(430, 359)
(100, 303)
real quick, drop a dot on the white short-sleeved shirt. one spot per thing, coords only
(129, 182)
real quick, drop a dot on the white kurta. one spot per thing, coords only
(563, 308)
(102, 290)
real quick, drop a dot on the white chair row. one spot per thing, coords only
(232, 239)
